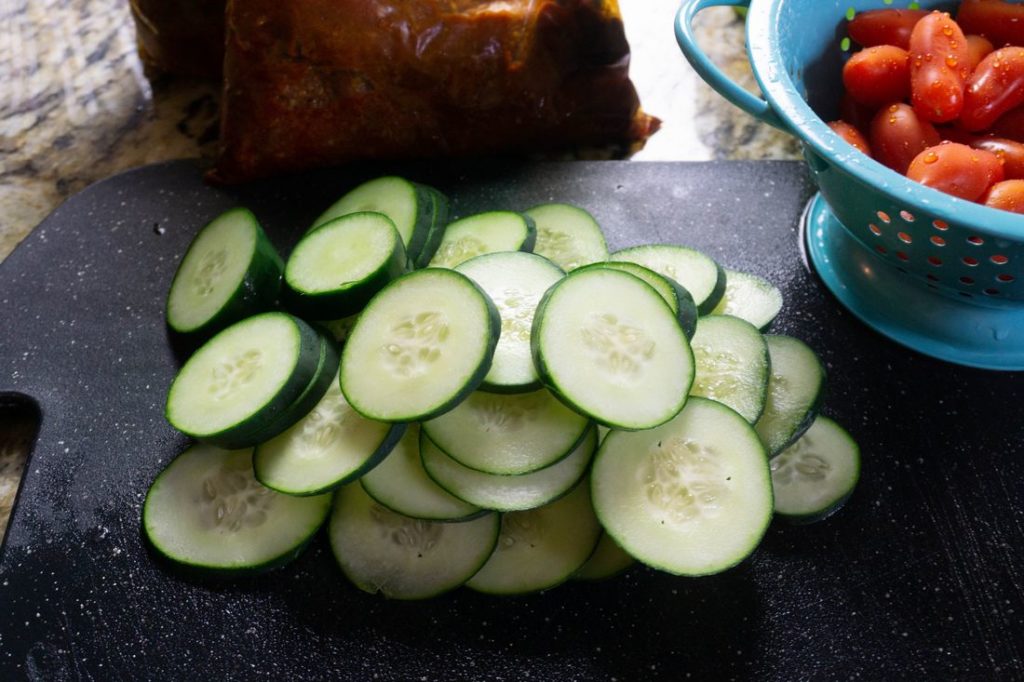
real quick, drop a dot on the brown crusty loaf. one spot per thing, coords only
(320, 82)
(310, 83)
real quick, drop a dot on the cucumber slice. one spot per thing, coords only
(420, 347)
(749, 298)
(404, 558)
(409, 206)
(795, 389)
(608, 345)
(324, 377)
(678, 298)
(230, 272)
(508, 434)
(335, 270)
(235, 388)
(568, 236)
(732, 364)
(515, 281)
(207, 511)
(814, 476)
(484, 233)
(607, 561)
(696, 272)
(540, 548)
(508, 493)
(400, 484)
(330, 446)
(691, 497)
(439, 221)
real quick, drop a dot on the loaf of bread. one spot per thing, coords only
(310, 83)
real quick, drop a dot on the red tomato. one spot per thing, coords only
(878, 75)
(884, 27)
(855, 113)
(995, 87)
(898, 134)
(851, 135)
(978, 48)
(956, 169)
(1011, 125)
(1000, 22)
(1009, 152)
(1007, 195)
(939, 61)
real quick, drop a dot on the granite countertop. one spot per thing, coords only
(77, 106)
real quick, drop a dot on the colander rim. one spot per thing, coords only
(763, 21)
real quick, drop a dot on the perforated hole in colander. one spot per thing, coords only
(935, 260)
(905, 238)
(940, 225)
(937, 240)
(884, 217)
(875, 229)
(880, 249)
(902, 256)
(991, 292)
(907, 216)
(999, 259)
(975, 240)
(967, 280)
(1006, 279)
(969, 262)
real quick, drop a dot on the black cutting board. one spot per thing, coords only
(920, 576)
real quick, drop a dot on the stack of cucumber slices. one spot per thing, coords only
(496, 402)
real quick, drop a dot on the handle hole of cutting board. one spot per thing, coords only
(20, 418)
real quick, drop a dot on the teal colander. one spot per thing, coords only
(938, 274)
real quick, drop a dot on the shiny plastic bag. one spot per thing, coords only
(321, 82)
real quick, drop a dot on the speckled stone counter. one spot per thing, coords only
(76, 106)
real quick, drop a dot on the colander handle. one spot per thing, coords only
(712, 75)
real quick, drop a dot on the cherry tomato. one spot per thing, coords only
(1000, 22)
(995, 87)
(898, 134)
(884, 27)
(855, 113)
(1009, 152)
(851, 135)
(956, 169)
(939, 62)
(978, 48)
(878, 75)
(1007, 195)
(1010, 126)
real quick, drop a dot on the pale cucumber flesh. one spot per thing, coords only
(401, 484)
(691, 497)
(814, 476)
(206, 510)
(401, 557)
(540, 548)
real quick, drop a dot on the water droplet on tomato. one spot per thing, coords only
(947, 30)
(951, 61)
(930, 157)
